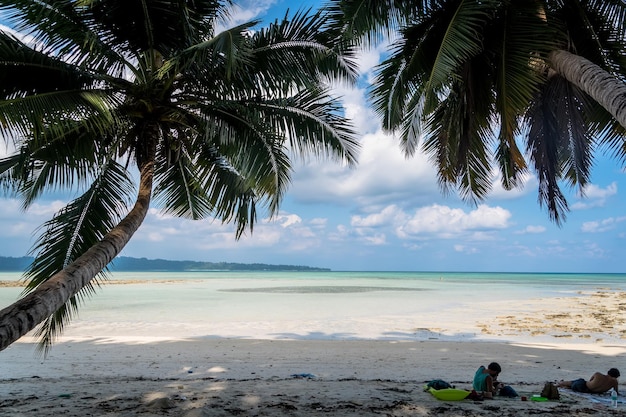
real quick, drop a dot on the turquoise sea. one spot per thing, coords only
(322, 305)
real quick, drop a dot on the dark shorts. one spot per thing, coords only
(580, 385)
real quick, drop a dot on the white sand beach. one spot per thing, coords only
(226, 377)
(115, 374)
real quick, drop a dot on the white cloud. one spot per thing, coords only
(594, 250)
(532, 230)
(528, 185)
(369, 58)
(383, 176)
(430, 221)
(18, 228)
(388, 216)
(363, 117)
(285, 220)
(447, 222)
(246, 10)
(375, 240)
(465, 249)
(594, 196)
(595, 192)
(36, 214)
(287, 232)
(318, 222)
(600, 226)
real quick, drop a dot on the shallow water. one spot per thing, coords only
(315, 305)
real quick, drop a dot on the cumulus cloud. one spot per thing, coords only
(465, 249)
(594, 196)
(285, 220)
(318, 222)
(448, 222)
(528, 185)
(599, 226)
(383, 176)
(18, 228)
(166, 236)
(430, 221)
(531, 230)
(246, 10)
(356, 109)
(376, 239)
(388, 216)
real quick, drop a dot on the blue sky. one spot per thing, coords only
(386, 214)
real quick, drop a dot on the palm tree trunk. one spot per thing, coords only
(606, 89)
(25, 314)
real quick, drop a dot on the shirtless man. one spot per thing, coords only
(598, 383)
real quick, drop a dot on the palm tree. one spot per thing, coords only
(92, 90)
(471, 78)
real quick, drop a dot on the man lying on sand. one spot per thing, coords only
(598, 383)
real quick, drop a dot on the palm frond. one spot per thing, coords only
(595, 30)
(70, 233)
(66, 30)
(411, 83)
(248, 151)
(461, 40)
(367, 22)
(65, 162)
(80, 224)
(552, 139)
(51, 328)
(40, 92)
(226, 52)
(231, 194)
(11, 173)
(521, 38)
(301, 50)
(393, 87)
(610, 135)
(577, 159)
(461, 126)
(167, 26)
(179, 190)
(313, 125)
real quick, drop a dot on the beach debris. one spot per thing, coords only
(303, 376)
(199, 412)
(163, 403)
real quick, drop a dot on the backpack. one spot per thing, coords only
(438, 384)
(550, 391)
(508, 391)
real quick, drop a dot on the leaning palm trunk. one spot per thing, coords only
(25, 314)
(606, 89)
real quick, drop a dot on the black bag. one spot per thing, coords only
(438, 384)
(508, 391)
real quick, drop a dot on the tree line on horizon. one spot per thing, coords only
(125, 263)
(95, 94)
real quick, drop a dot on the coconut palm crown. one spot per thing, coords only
(97, 93)
(481, 84)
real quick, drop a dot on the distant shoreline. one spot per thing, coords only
(21, 283)
(128, 264)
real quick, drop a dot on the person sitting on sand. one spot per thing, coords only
(485, 379)
(597, 384)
